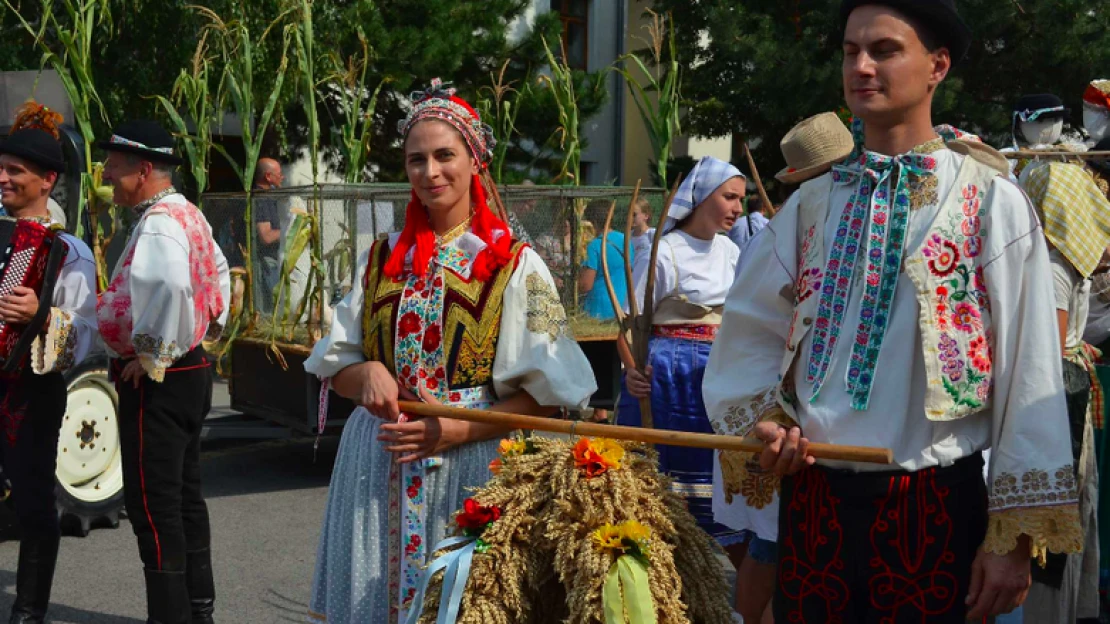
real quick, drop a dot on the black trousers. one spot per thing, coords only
(160, 427)
(33, 407)
(879, 548)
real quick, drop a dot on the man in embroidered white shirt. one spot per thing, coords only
(902, 301)
(167, 294)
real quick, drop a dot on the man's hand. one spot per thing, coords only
(784, 451)
(20, 306)
(133, 372)
(422, 437)
(999, 583)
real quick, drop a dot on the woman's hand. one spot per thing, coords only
(639, 385)
(378, 391)
(423, 436)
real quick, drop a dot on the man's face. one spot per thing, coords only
(22, 183)
(887, 70)
(126, 175)
(275, 177)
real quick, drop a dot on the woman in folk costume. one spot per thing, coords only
(1076, 218)
(693, 272)
(452, 310)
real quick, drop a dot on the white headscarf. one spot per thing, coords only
(705, 178)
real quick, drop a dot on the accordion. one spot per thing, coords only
(31, 255)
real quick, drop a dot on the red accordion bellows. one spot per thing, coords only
(24, 257)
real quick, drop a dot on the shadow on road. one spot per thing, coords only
(60, 612)
(242, 468)
(291, 610)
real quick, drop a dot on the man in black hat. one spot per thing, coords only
(34, 401)
(901, 301)
(169, 292)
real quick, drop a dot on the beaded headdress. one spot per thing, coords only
(439, 101)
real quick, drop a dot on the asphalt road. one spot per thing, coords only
(265, 499)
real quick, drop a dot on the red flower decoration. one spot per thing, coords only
(475, 517)
(432, 338)
(944, 258)
(409, 324)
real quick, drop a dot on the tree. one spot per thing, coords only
(767, 64)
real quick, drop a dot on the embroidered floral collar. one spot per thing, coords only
(143, 206)
(928, 147)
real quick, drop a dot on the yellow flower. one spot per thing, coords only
(610, 450)
(609, 536)
(510, 448)
(635, 531)
(597, 456)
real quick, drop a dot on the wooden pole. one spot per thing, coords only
(1104, 155)
(862, 454)
(498, 205)
(767, 205)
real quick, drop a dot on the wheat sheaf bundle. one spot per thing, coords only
(541, 563)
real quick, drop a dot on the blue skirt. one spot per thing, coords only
(678, 366)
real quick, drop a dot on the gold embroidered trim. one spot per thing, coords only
(545, 312)
(1054, 528)
(742, 474)
(155, 354)
(56, 349)
(740, 418)
(1033, 488)
(928, 147)
(923, 190)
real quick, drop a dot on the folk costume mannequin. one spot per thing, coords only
(450, 310)
(745, 497)
(1037, 124)
(1076, 218)
(694, 269)
(892, 308)
(33, 402)
(169, 291)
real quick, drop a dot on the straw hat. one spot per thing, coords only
(813, 146)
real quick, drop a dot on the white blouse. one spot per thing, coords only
(701, 270)
(71, 334)
(158, 296)
(535, 351)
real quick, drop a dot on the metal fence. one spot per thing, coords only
(354, 215)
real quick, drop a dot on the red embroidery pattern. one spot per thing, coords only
(812, 509)
(912, 555)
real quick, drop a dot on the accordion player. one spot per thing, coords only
(47, 327)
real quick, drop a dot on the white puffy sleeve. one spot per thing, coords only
(1032, 485)
(754, 329)
(665, 278)
(161, 295)
(342, 347)
(535, 351)
(72, 329)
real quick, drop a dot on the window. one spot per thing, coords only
(575, 17)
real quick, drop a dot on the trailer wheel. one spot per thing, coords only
(89, 472)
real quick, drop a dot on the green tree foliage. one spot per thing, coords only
(767, 64)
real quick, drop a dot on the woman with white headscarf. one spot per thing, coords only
(693, 272)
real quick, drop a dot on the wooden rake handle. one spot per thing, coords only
(863, 454)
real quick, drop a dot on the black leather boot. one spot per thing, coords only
(202, 589)
(167, 599)
(37, 556)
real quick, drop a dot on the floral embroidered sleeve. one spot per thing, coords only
(535, 350)
(741, 384)
(161, 295)
(342, 347)
(71, 332)
(1031, 483)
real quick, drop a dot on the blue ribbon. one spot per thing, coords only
(457, 570)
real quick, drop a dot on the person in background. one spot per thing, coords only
(597, 303)
(267, 226)
(694, 268)
(750, 224)
(642, 232)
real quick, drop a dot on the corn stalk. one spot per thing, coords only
(501, 109)
(73, 64)
(192, 94)
(307, 233)
(563, 88)
(348, 84)
(236, 87)
(661, 114)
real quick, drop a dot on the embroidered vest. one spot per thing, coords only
(943, 261)
(438, 332)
